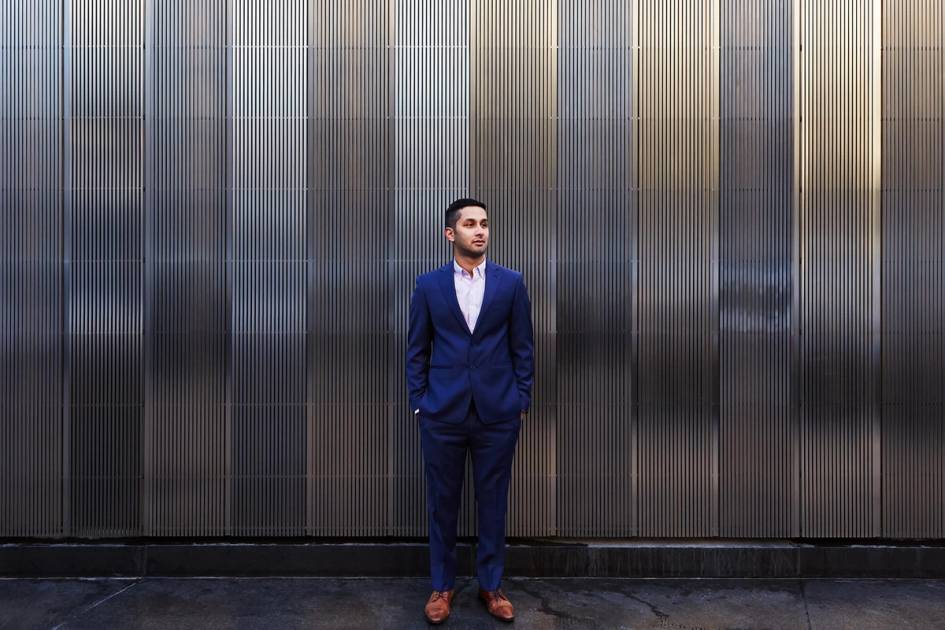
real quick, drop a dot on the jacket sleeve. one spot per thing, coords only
(523, 345)
(419, 332)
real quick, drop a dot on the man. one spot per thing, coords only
(470, 369)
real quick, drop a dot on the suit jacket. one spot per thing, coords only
(447, 365)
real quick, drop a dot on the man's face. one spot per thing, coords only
(471, 236)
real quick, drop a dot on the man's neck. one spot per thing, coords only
(469, 264)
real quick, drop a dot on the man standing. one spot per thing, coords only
(470, 370)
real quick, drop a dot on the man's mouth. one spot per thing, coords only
(479, 242)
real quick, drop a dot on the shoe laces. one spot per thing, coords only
(438, 595)
(499, 595)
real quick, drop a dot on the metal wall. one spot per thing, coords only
(729, 214)
(912, 271)
(759, 471)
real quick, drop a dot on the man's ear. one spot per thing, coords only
(450, 234)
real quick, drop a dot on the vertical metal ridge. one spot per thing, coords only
(66, 245)
(712, 377)
(230, 161)
(875, 97)
(797, 262)
(634, 315)
(144, 491)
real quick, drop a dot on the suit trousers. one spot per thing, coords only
(444, 453)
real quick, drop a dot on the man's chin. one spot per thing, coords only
(473, 252)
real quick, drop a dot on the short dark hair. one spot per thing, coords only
(452, 212)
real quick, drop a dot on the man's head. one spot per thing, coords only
(467, 227)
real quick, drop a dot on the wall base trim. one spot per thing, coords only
(524, 558)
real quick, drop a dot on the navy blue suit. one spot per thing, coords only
(470, 389)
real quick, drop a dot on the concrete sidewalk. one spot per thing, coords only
(276, 603)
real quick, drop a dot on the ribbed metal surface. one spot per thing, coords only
(677, 368)
(913, 270)
(31, 395)
(838, 284)
(186, 299)
(728, 214)
(758, 412)
(597, 263)
(266, 139)
(350, 223)
(103, 221)
(512, 148)
(430, 168)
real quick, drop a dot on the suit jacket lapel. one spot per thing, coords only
(493, 278)
(449, 292)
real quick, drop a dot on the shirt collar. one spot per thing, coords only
(479, 270)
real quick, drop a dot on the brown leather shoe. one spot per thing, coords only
(498, 604)
(438, 606)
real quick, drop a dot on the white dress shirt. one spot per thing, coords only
(469, 291)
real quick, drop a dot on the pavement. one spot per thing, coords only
(276, 603)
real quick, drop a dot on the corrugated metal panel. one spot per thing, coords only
(678, 287)
(104, 271)
(430, 168)
(31, 436)
(913, 270)
(349, 230)
(838, 282)
(758, 413)
(512, 148)
(596, 292)
(185, 299)
(267, 265)
(213, 214)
